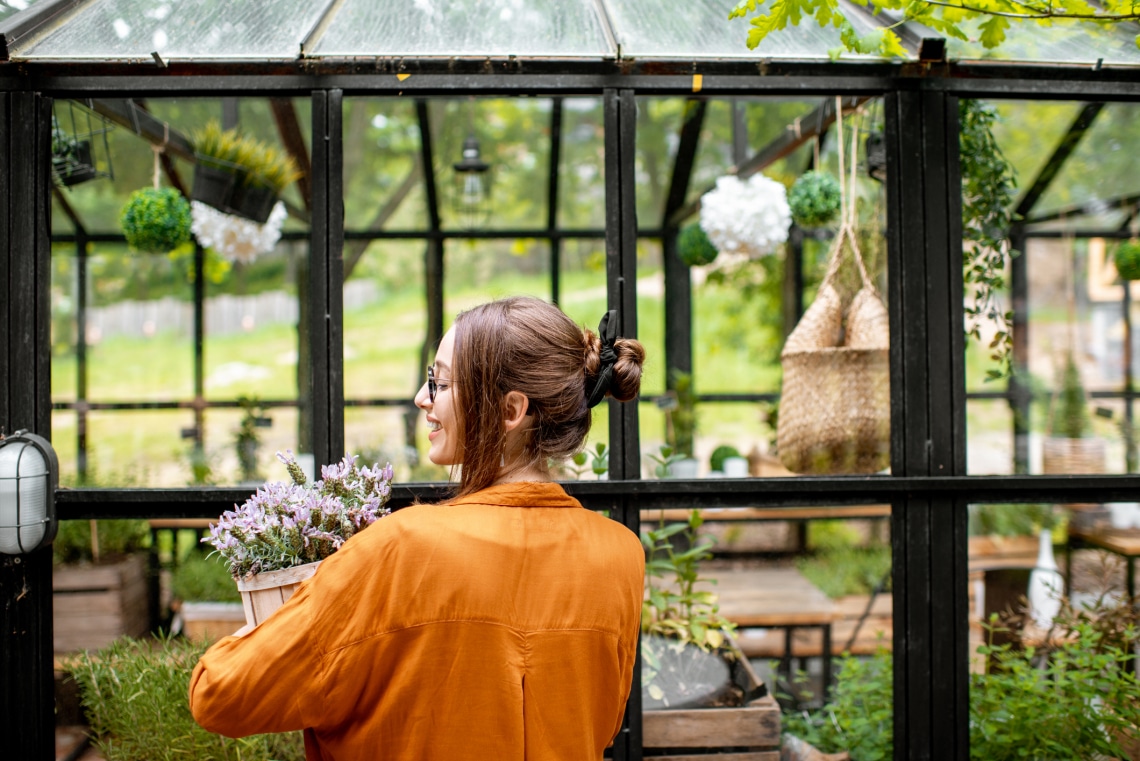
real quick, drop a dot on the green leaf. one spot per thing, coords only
(993, 31)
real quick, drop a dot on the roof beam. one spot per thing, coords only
(24, 27)
(693, 119)
(1060, 155)
(795, 135)
(289, 128)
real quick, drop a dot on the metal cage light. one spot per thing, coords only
(472, 198)
(29, 474)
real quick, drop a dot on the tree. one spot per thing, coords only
(988, 20)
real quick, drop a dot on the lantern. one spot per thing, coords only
(29, 474)
(472, 198)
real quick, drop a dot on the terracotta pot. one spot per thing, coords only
(264, 593)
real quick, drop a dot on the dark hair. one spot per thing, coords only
(525, 344)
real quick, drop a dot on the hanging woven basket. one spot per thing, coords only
(835, 405)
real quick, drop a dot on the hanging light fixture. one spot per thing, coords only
(472, 197)
(29, 474)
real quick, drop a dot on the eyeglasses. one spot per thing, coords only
(435, 385)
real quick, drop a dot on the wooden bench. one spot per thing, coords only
(1119, 541)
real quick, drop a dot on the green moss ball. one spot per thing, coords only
(1127, 260)
(720, 454)
(814, 199)
(694, 246)
(156, 220)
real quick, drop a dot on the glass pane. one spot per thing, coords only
(1051, 590)
(807, 593)
(821, 377)
(187, 29)
(471, 27)
(383, 182)
(10, 8)
(142, 350)
(582, 174)
(1060, 42)
(701, 29)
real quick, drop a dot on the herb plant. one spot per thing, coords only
(814, 199)
(136, 694)
(680, 623)
(988, 183)
(156, 220)
(1069, 417)
(203, 578)
(76, 542)
(286, 525)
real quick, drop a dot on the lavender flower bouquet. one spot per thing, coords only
(286, 525)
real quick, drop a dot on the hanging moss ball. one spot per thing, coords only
(720, 454)
(814, 199)
(1127, 259)
(694, 246)
(156, 220)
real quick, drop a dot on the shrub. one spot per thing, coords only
(156, 220)
(842, 571)
(814, 199)
(694, 246)
(74, 542)
(137, 697)
(204, 578)
(1070, 414)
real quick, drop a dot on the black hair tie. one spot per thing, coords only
(607, 332)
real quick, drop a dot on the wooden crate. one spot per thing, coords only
(754, 727)
(95, 604)
(210, 621)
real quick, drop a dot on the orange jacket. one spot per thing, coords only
(503, 625)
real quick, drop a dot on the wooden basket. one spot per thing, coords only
(264, 593)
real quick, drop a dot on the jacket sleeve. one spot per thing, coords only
(267, 681)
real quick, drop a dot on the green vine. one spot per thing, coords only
(987, 194)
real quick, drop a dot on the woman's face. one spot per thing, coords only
(442, 415)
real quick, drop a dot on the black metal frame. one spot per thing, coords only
(928, 490)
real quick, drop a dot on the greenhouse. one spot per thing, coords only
(886, 305)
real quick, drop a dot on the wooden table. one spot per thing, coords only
(1118, 541)
(775, 598)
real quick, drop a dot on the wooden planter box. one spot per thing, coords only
(94, 604)
(210, 621)
(748, 733)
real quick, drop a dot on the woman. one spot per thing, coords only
(501, 624)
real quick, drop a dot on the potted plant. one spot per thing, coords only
(217, 170)
(268, 173)
(698, 689)
(279, 536)
(100, 583)
(1070, 447)
(71, 158)
(156, 220)
(151, 721)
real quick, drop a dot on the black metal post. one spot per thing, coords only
(27, 720)
(326, 278)
(81, 371)
(928, 534)
(1020, 392)
(552, 200)
(199, 350)
(620, 113)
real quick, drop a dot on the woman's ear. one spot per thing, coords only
(515, 406)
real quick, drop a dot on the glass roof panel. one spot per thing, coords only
(1062, 42)
(541, 28)
(108, 29)
(10, 8)
(702, 29)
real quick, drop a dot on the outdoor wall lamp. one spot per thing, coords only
(472, 199)
(29, 474)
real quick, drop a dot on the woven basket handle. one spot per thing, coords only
(846, 206)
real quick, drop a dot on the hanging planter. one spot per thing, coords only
(77, 136)
(1127, 259)
(239, 176)
(156, 220)
(746, 218)
(694, 247)
(814, 199)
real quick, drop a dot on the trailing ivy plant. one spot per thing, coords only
(988, 184)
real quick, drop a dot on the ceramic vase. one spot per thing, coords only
(1045, 584)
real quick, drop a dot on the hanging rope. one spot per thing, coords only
(159, 150)
(847, 209)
